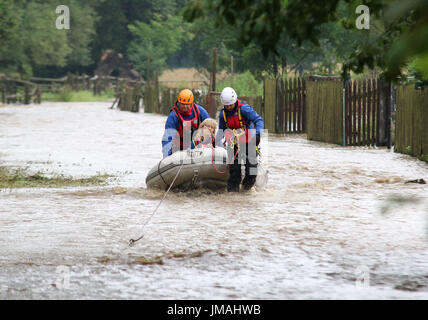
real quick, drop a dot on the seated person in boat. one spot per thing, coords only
(205, 136)
(183, 120)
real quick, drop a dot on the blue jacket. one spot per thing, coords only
(251, 117)
(172, 126)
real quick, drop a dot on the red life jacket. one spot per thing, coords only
(235, 122)
(185, 125)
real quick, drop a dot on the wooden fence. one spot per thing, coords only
(362, 99)
(161, 100)
(369, 106)
(411, 126)
(270, 113)
(96, 84)
(19, 91)
(324, 106)
(285, 105)
(353, 113)
(291, 106)
(151, 98)
(256, 102)
(128, 92)
(129, 98)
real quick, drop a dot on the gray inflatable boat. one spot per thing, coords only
(200, 168)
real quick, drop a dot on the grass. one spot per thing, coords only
(423, 158)
(20, 178)
(67, 95)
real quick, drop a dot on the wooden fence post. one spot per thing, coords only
(27, 96)
(38, 94)
(295, 105)
(3, 91)
(156, 93)
(279, 106)
(304, 105)
(270, 104)
(384, 114)
(348, 129)
(375, 102)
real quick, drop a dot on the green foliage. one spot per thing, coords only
(20, 178)
(264, 37)
(154, 42)
(9, 21)
(81, 33)
(409, 150)
(245, 84)
(423, 157)
(116, 15)
(67, 95)
(396, 30)
(30, 38)
(111, 29)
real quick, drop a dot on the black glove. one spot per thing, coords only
(257, 139)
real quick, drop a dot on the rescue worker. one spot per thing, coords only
(184, 118)
(205, 136)
(241, 127)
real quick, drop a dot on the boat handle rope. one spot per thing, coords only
(160, 174)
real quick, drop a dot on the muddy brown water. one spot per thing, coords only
(318, 231)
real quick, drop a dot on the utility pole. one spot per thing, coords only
(214, 71)
(231, 68)
(148, 69)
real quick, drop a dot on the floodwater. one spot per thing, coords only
(320, 229)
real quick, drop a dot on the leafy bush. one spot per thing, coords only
(65, 94)
(245, 84)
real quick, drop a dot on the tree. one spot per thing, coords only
(154, 42)
(45, 45)
(81, 34)
(264, 22)
(10, 18)
(116, 15)
(31, 42)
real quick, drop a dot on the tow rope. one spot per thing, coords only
(133, 241)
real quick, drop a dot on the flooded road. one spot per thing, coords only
(320, 230)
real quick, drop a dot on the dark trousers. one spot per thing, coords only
(246, 155)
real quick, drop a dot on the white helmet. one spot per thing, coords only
(228, 96)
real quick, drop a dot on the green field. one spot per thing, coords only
(66, 95)
(20, 178)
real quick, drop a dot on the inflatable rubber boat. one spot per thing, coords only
(199, 168)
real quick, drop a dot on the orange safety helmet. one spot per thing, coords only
(185, 96)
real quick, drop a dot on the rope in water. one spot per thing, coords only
(133, 241)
